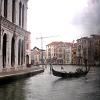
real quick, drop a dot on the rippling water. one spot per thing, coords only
(48, 87)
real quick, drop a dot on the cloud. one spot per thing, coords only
(89, 19)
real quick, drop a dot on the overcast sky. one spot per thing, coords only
(54, 19)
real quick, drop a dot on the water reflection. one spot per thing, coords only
(12, 91)
(48, 87)
(85, 88)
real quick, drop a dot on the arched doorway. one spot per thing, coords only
(4, 50)
(13, 51)
(19, 51)
(27, 60)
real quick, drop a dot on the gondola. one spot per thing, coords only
(78, 73)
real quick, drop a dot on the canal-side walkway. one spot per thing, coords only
(18, 74)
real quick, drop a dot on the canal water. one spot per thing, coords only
(45, 86)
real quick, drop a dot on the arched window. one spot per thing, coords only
(22, 54)
(4, 50)
(20, 11)
(13, 10)
(13, 51)
(19, 52)
(23, 16)
(24, 50)
(5, 8)
(27, 60)
(0, 7)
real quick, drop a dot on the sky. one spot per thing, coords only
(54, 20)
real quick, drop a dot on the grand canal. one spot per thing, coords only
(45, 86)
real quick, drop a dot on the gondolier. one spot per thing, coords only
(50, 68)
(85, 63)
(62, 68)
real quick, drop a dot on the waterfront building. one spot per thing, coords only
(68, 53)
(59, 52)
(82, 50)
(95, 44)
(74, 56)
(38, 56)
(35, 56)
(88, 48)
(14, 37)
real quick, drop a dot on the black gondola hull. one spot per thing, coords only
(70, 74)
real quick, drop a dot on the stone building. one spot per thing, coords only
(68, 52)
(59, 52)
(14, 37)
(74, 51)
(38, 56)
(88, 48)
(82, 50)
(35, 56)
(95, 44)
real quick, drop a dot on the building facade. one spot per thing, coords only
(74, 51)
(88, 48)
(59, 52)
(95, 44)
(35, 56)
(38, 56)
(14, 37)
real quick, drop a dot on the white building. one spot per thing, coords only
(68, 53)
(14, 37)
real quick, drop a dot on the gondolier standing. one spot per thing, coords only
(85, 62)
(62, 68)
(50, 68)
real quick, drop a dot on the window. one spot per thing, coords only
(20, 11)
(60, 50)
(60, 55)
(13, 11)
(23, 16)
(27, 46)
(5, 8)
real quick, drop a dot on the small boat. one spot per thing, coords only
(78, 73)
